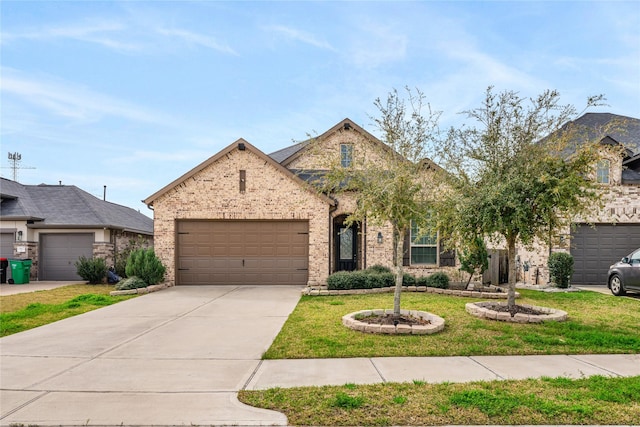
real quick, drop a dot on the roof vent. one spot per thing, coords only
(241, 146)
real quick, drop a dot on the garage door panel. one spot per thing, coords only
(595, 249)
(59, 252)
(243, 252)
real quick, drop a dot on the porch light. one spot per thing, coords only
(379, 237)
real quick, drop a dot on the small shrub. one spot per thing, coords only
(93, 270)
(408, 280)
(378, 269)
(474, 257)
(380, 280)
(365, 279)
(438, 280)
(130, 283)
(121, 256)
(337, 281)
(144, 264)
(560, 268)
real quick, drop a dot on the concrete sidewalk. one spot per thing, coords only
(315, 372)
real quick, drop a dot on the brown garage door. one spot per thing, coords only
(594, 249)
(59, 252)
(242, 252)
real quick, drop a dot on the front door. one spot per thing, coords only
(346, 239)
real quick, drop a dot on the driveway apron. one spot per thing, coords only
(175, 357)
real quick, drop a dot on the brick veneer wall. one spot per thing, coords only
(214, 193)
(325, 153)
(621, 205)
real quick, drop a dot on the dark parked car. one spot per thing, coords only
(624, 275)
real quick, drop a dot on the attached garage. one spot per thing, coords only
(60, 251)
(594, 249)
(6, 245)
(242, 252)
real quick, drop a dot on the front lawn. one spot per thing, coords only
(32, 309)
(597, 323)
(590, 401)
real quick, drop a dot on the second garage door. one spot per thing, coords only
(242, 252)
(595, 249)
(59, 253)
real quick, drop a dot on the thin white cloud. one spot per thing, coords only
(192, 38)
(104, 33)
(376, 44)
(119, 36)
(301, 36)
(70, 101)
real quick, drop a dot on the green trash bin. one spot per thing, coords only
(20, 270)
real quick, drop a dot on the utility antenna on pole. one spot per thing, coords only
(14, 159)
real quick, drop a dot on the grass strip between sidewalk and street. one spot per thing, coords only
(597, 323)
(592, 401)
(25, 311)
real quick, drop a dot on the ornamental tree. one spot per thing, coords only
(517, 172)
(387, 179)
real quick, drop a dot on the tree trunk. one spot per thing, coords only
(399, 241)
(469, 280)
(511, 256)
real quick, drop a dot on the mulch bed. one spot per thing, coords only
(390, 319)
(503, 308)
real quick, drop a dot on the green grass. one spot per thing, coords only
(594, 400)
(597, 323)
(29, 310)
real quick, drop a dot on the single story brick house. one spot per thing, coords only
(610, 231)
(245, 217)
(54, 225)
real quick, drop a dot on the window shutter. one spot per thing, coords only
(447, 257)
(406, 246)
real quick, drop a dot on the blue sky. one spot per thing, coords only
(133, 94)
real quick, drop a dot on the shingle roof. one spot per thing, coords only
(284, 153)
(67, 206)
(625, 130)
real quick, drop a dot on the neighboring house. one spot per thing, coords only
(54, 225)
(245, 217)
(616, 225)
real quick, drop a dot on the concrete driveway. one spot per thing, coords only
(175, 357)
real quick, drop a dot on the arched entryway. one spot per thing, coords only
(346, 244)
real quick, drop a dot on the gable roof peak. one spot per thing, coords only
(286, 155)
(240, 145)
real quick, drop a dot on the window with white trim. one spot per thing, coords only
(424, 248)
(602, 174)
(346, 155)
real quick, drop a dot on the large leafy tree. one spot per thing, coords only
(517, 172)
(387, 180)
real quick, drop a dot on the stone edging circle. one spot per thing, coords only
(147, 290)
(478, 309)
(323, 291)
(436, 323)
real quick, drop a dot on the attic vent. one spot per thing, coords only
(241, 146)
(347, 126)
